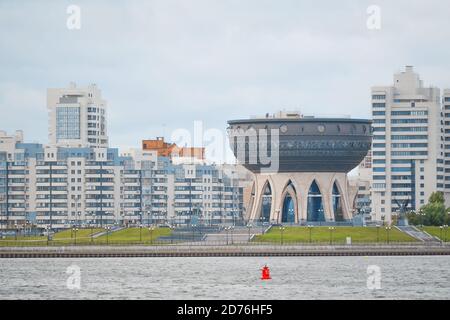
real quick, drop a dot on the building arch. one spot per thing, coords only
(337, 201)
(315, 203)
(266, 202)
(289, 204)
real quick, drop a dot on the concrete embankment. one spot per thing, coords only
(221, 251)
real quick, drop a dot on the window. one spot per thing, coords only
(401, 169)
(409, 129)
(67, 122)
(409, 113)
(409, 153)
(401, 185)
(409, 137)
(378, 97)
(409, 145)
(400, 161)
(409, 120)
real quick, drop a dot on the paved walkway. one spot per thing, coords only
(417, 234)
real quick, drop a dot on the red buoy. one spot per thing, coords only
(265, 273)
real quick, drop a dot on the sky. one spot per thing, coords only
(161, 65)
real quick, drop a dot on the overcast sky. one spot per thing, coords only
(161, 65)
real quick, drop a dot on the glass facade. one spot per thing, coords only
(315, 205)
(67, 122)
(266, 203)
(288, 214)
(337, 207)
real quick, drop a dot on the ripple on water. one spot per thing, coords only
(227, 278)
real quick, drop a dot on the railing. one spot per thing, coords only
(87, 242)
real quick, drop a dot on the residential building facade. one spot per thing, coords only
(408, 148)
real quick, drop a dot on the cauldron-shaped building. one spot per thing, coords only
(300, 165)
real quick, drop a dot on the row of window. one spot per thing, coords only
(409, 120)
(409, 145)
(409, 113)
(401, 129)
(394, 169)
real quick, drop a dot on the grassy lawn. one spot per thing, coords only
(66, 237)
(436, 231)
(322, 235)
(133, 235)
(81, 233)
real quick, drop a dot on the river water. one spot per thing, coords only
(411, 277)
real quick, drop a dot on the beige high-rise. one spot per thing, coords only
(408, 147)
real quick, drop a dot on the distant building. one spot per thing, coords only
(185, 192)
(311, 157)
(360, 188)
(77, 117)
(409, 158)
(78, 180)
(171, 150)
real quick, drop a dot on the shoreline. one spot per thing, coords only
(221, 251)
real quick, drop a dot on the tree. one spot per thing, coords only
(435, 213)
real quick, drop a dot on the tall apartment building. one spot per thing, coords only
(186, 190)
(446, 107)
(60, 187)
(77, 117)
(408, 148)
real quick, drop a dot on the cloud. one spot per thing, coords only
(173, 62)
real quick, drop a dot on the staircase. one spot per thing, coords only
(417, 234)
(237, 234)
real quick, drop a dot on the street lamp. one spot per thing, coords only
(378, 233)
(49, 228)
(262, 224)
(107, 234)
(249, 226)
(151, 234)
(388, 229)
(282, 231)
(310, 233)
(193, 232)
(140, 233)
(231, 228)
(92, 231)
(75, 230)
(331, 234)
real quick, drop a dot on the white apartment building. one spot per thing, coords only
(408, 148)
(185, 191)
(77, 117)
(446, 107)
